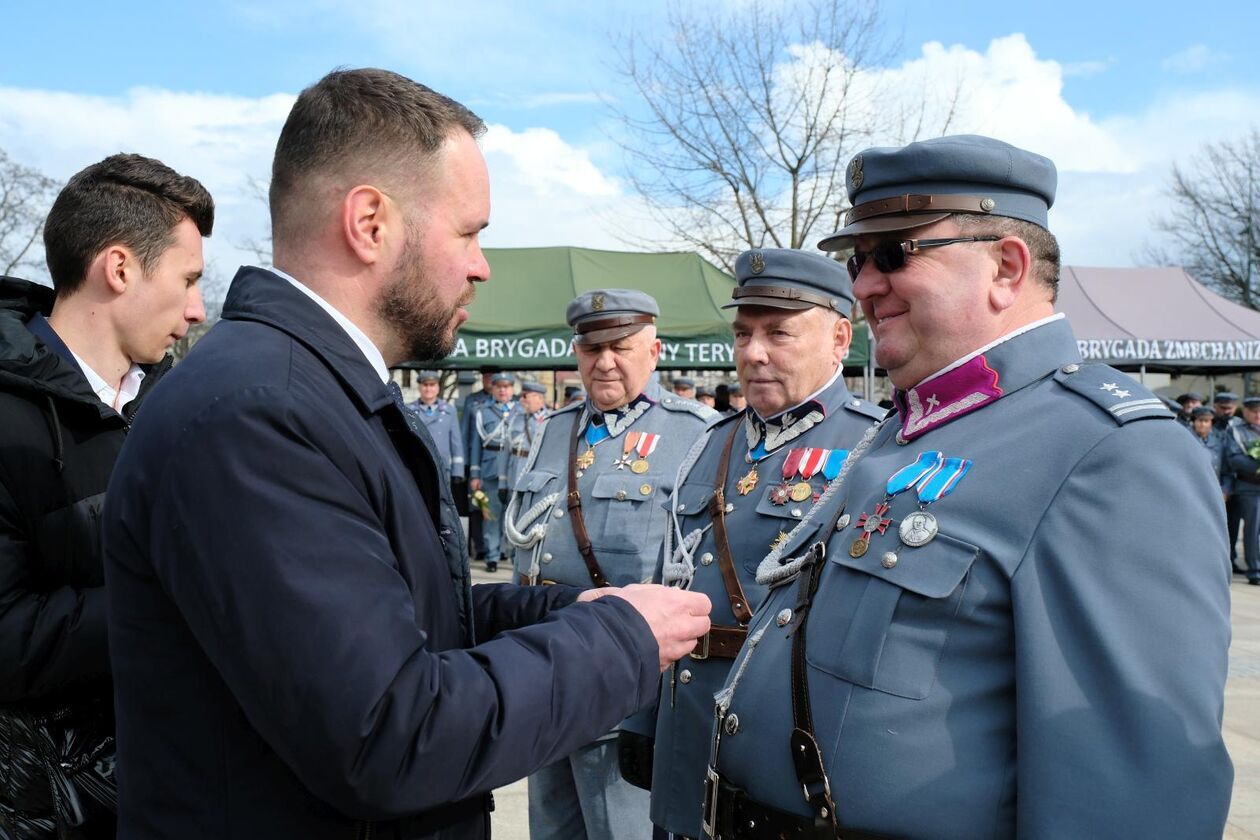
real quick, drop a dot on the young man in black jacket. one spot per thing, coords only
(123, 244)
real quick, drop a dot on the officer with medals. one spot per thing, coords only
(1001, 619)
(1244, 446)
(467, 420)
(523, 426)
(586, 511)
(749, 480)
(439, 417)
(490, 424)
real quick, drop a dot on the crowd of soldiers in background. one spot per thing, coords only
(485, 443)
(1230, 435)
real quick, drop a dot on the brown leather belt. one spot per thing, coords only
(576, 519)
(720, 643)
(521, 453)
(731, 815)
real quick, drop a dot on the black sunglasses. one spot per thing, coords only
(890, 256)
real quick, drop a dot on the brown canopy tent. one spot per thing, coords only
(1157, 319)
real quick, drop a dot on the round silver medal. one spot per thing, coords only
(919, 528)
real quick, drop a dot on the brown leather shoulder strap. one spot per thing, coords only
(717, 512)
(807, 758)
(575, 510)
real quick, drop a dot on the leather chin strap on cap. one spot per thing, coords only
(786, 294)
(909, 204)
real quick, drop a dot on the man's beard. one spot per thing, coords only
(408, 308)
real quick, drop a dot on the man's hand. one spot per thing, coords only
(678, 618)
(474, 484)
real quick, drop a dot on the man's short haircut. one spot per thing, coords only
(360, 123)
(1041, 243)
(123, 200)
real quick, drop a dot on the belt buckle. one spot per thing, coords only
(708, 821)
(703, 648)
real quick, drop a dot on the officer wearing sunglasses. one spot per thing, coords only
(986, 626)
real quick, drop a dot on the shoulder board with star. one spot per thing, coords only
(673, 402)
(1123, 398)
(866, 409)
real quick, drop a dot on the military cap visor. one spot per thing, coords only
(1251, 402)
(895, 189)
(605, 315)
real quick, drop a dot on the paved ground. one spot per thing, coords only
(1242, 726)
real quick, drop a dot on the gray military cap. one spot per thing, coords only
(1251, 402)
(1202, 411)
(705, 391)
(427, 375)
(915, 185)
(502, 377)
(684, 382)
(734, 388)
(534, 387)
(603, 315)
(787, 279)
(1225, 397)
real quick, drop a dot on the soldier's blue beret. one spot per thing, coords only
(533, 387)
(788, 279)
(684, 382)
(1225, 396)
(603, 315)
(502, 377)
(1202, 411)
(915, 185)
(426, 375)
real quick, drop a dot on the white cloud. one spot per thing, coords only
(1193, 59)
(545, 190)
(549, 190)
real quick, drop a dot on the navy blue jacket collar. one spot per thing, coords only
(258, 295)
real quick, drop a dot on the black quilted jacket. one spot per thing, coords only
(58, 444)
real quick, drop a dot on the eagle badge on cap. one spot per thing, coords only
(855, 172)
(756, 262)
(597, 303)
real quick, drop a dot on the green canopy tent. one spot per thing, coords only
(517, 321)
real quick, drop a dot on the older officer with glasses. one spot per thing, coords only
(752, 477)
(1001, 619)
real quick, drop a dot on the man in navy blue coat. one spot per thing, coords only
(297, 647)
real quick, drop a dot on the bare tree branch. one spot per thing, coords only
(1213, 228)
(26, 195)
(750, 115)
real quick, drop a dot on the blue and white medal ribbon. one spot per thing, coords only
(921, 527)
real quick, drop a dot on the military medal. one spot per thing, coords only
(921, 527)
(645, 447)
(801, 491)
(811, 462)
(746, 484)
(781, 492)
(627, 446)
(870, 523)
(587, 458)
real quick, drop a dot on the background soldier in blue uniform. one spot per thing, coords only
(1244, 435)
(1002, 619)
(735, 394)
(685, 387)
(524, 424)
(439, 418)
(467, 412)
(1218, 446)
(586, 511)
(767, 464)
(490, 423)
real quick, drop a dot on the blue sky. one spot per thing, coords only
(1114, 92)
